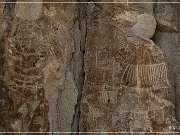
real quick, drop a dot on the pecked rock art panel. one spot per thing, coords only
(38, 78)
(24, 76)
(126, 86)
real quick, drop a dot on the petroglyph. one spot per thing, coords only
(44, 47)
(127, 81)
(25, 75)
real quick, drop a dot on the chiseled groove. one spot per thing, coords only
(151, 74)
(130, 75)
(134, 76)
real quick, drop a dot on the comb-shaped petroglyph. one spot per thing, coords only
(130, 87)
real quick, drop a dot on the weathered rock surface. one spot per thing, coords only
(168, 39)
(169, 43)
(29, 11)
(145, 26)
(43, 66)
(131, 57)
(166, 16)
(126, 84)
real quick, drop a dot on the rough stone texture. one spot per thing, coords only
(126, 84)
(141, 23)
(168, 40)
(29, 11)
(167, 17)
(43, 47)
(145, 26)
(140, 20)
(129, 80)
(3, 25)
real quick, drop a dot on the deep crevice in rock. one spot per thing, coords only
(81, 21)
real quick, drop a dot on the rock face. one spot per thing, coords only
(168, 40)
(146, 25)
(43, 67)
(91, 67)
(167, 17)
(126, 86)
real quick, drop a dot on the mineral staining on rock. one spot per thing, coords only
(126, 87)
(38, 76)
(130, 91)
(25, 79)
(42, 53)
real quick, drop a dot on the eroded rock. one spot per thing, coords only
(29, 11)
(126, 86)
(137, 20)
(40, 67)
(167, 17)
(145, 26)
(3, 24)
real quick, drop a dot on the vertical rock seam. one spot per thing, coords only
(79, 59)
